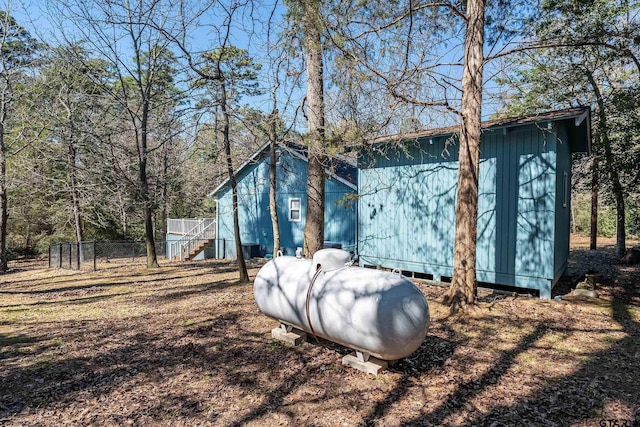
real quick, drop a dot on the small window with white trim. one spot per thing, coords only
(295, 208)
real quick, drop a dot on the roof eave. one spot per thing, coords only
(581, 113)
(290, 150)
(251, 160)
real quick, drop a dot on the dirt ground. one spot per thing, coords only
(185, 345)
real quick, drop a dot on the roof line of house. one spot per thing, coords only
(328, 172)
(578, 113)
(251, 160)
(294, 152)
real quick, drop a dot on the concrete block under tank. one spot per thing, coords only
(376, 312)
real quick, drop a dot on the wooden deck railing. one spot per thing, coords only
(186, 225)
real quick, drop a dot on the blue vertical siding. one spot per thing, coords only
(254, 216)
(563, 202)
(491, 186)
(406, 206)
(340, 214)
(407, 201)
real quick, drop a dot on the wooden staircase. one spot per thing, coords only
(195, 250)
(194, 240)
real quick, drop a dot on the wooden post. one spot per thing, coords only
(79, 245)
(60, 257)
(94, 256)
(593, 243)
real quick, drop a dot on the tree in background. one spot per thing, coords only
(282, 79)
(409, 54)
(17, 49)
(307, 15)
(229, 74)
(463, 289)
(111, 29)
(272, 135)
(395, 69)
(65, 102)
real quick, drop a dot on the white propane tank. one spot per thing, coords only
(373, 311)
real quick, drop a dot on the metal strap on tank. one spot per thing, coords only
(306, 305)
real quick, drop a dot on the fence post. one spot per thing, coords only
(70, 257)
(94, 256)
(60, 253)
(50, 256)
(224, 248)
(79, 245)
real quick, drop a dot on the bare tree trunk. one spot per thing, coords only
(612, 170)
(4, 215)
(152, 260)
(72, 169)
(273, 205)
(242, 265)
(593, 245)
(75, 196)
(165, 186)
(464, 284)
(123, 216)
(620, 208)
(314, 221)
(27, 240)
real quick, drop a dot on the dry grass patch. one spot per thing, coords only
(186, 345)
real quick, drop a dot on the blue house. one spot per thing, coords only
(407, 197)
(256, 231)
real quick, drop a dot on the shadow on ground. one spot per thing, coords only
(202, 354)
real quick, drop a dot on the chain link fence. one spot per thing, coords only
(94, 255)
(88, 255)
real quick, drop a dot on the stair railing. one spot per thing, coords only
(204, 230)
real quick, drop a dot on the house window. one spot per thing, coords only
(295, 209)
(566, 190)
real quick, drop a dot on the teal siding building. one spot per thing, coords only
(407, 197)
(256, 231)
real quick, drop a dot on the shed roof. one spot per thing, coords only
(580, 133)
(341, 168)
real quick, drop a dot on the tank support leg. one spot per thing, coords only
(288, 334)
(285, 327)
(362, 361)
(362, 356)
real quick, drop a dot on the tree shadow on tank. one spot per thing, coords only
(373, 311)
(435, 349)
(274, 288)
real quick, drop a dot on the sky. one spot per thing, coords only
(35, 16)
(39, 18)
